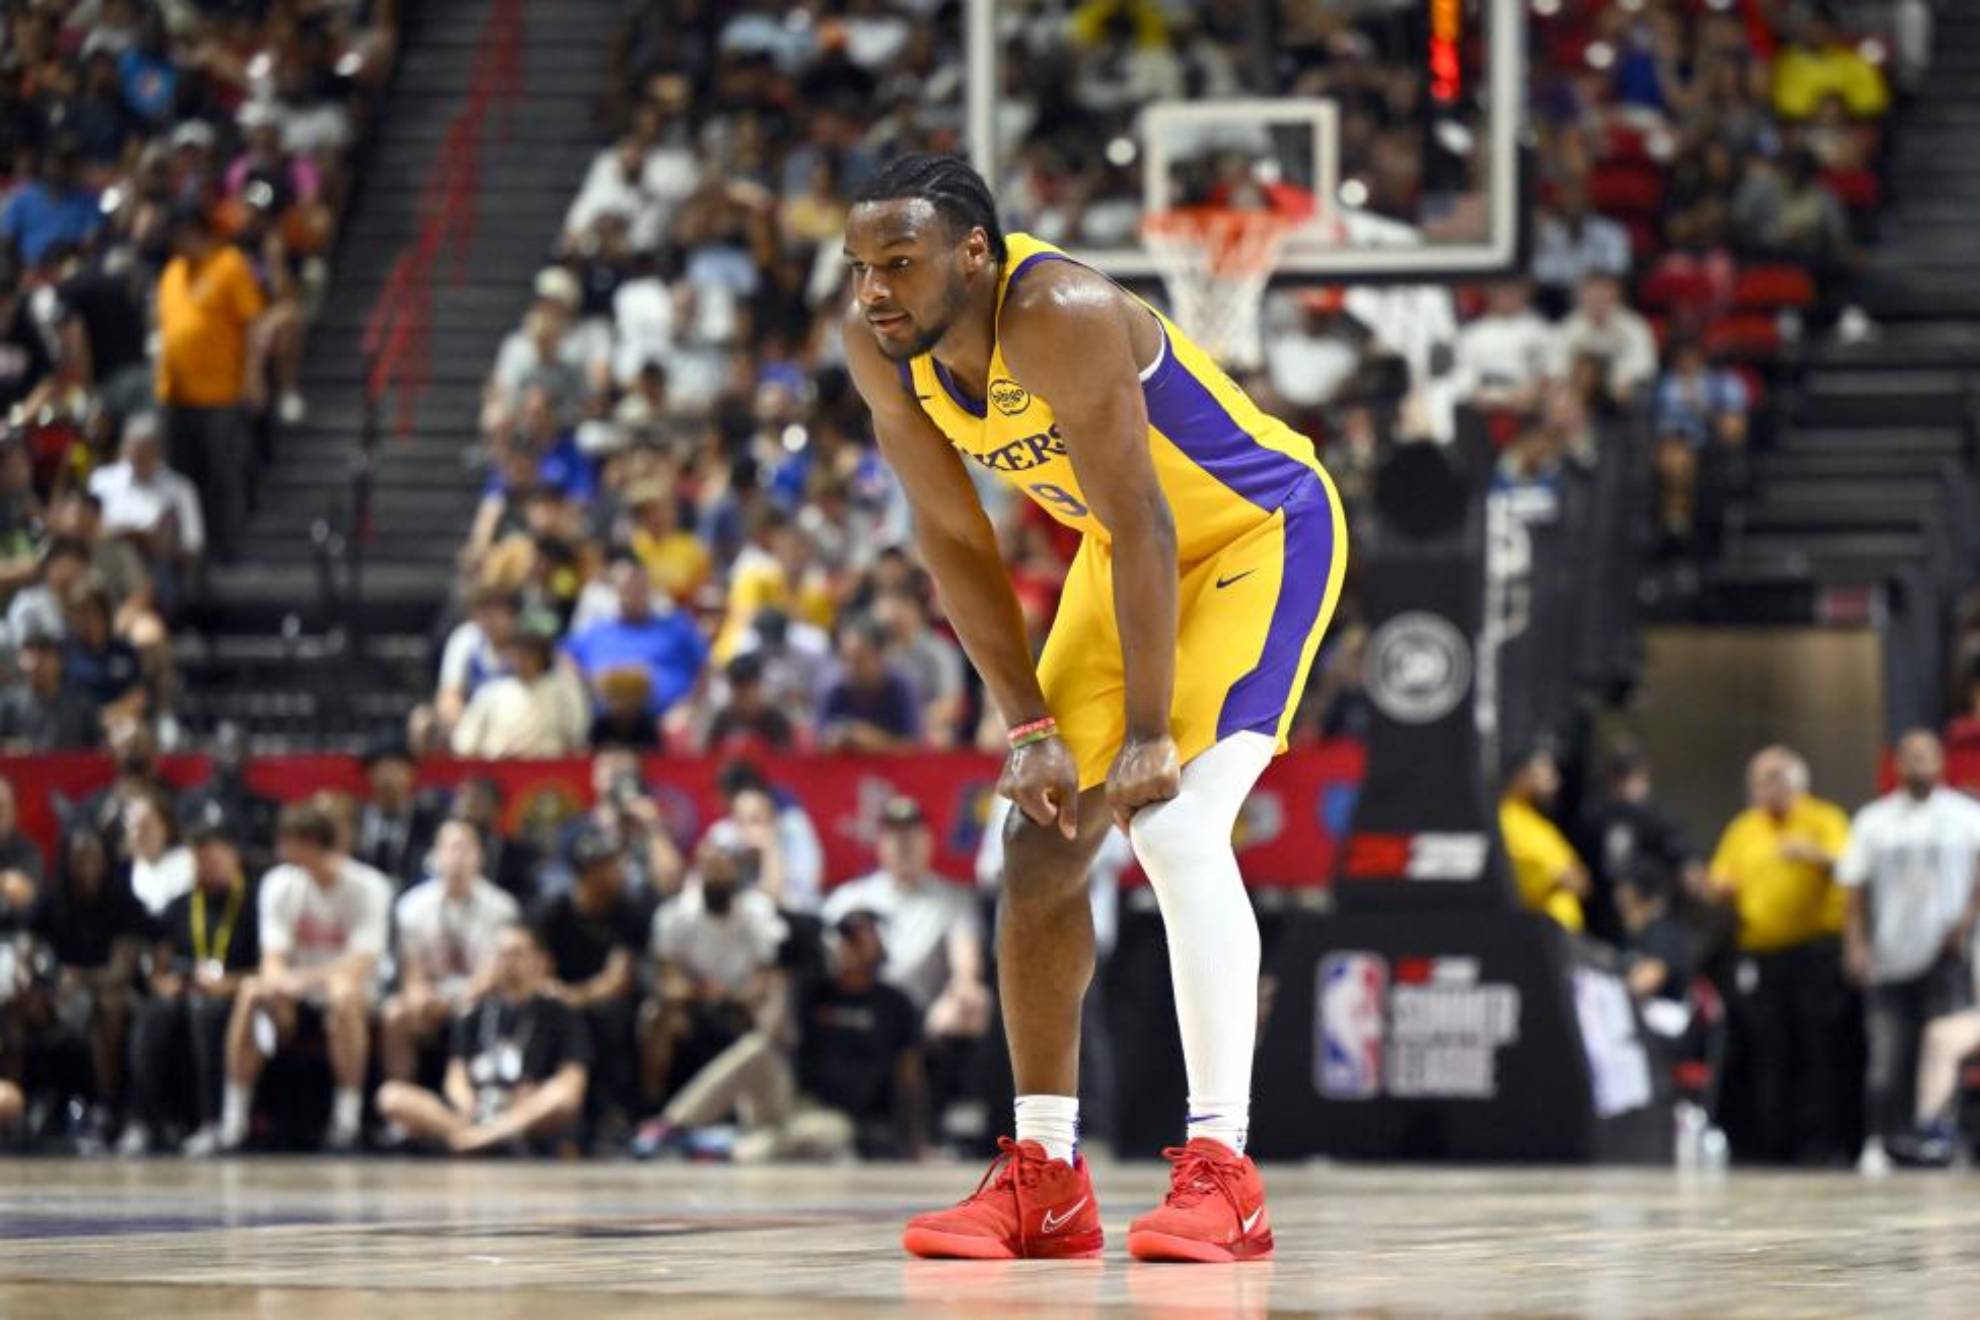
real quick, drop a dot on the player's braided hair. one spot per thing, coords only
(957, 191)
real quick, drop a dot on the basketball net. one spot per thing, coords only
(1216, 263)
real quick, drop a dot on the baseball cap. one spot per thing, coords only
(902, 812)
(592, 846)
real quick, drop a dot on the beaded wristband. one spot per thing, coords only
(1034, 731)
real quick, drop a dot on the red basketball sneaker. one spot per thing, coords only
(1028, 1207)
(1215, 1210)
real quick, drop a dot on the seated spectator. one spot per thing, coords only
(872, 707)
(538, 709)
(714, 948)
(622, 809)
(518, 1067)
(748, 719)
(208, 943)
(624, 694)
(676, 559)
(395, 825)
(96, 929)
(1504, 356)
(593, 933)
(98, 663)
(1701, 402)
(666, 647)
(933, 934)
(560, 465)
(796, 658)
(134, 751)
(227, 795)
(20, 864)
(931, 662)
(325, 921)
(20, 510)
(41, 713)
(472, 656)
(54, 206)
(1782, 210)
(1572, 242)
(27, 369)
(768, 573)
(630, 180)
(543, 355)
(1816, 62)
(150, 505)
(510, 862)
(791, 860)
(113, 559)
(1602, 328)
(39, 609)
(1658, 956)
(161, 868)
(1546, 869)
(446, 927)
(856, 1081)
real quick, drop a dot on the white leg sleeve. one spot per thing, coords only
(1184, 845)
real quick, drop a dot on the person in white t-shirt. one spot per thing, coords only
(161, 866)
(714, 949)
(446, 929)
(145, 499)
(933, 934)
(1505, 356)
(325, 920)
(1910, 872)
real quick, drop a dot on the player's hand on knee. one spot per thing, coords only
(1146, 771)
(1042, 781)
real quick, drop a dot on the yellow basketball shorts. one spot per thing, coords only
(1250, 618)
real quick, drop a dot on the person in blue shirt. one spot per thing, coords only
(560, 464)
(668, 647)
(872, 707)
(53, 208)
(150, 79)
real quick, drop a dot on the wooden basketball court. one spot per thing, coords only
(378, 1240)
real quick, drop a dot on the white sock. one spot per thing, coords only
(1052, 1121)
(347, 1109)
(234, 1103)
(1227, 1121)
(1184, 845)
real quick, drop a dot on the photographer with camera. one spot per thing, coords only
(519, 1065)
(622, 810)
(714, 950)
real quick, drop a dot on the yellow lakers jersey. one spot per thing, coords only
(1224, 464)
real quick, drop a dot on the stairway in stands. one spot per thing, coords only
(1870, 480)
(269, 650)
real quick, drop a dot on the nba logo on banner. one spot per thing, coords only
(1353, 1014)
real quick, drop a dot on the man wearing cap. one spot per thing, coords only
(539, 709)
(40, 713)
(208, 940)
(592, 934)
(211, 368)
(934, 935)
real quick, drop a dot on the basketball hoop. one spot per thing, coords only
(1216, 263)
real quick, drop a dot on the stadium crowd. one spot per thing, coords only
(171, 176)
(686, 542)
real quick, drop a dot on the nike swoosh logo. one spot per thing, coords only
(1053, 1223)
(1250, 1221)
(1235, 577)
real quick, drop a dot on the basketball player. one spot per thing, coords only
(1212, 556)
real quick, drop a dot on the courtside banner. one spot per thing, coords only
(1286, 836)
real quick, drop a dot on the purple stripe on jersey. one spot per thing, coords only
(1034, 260)
(907, 380)
(973, 407)
(1256, 701)
(1182, 408)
